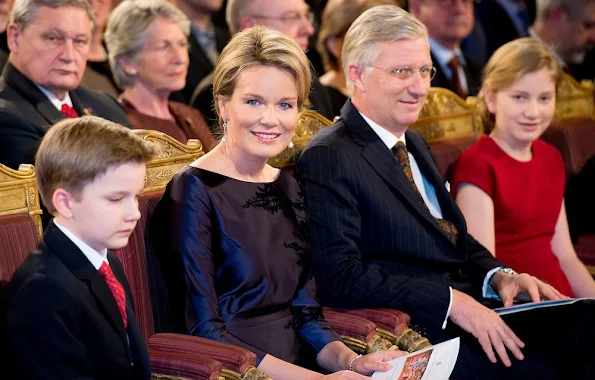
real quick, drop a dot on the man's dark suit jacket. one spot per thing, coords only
(199, 66)
(472, 73)
(63, 321)
(26, 114)
(374, 244)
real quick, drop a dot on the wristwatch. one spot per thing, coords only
(505, 270)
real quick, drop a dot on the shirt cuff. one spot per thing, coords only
(448, 310)
(487, 290)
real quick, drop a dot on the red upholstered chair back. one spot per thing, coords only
(447, 152)
(19, 232)
(138, 257)
(142, 273)
(575, 139)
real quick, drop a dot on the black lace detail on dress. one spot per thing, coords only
(269, 197)
(300, 319)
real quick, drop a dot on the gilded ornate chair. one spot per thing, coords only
(309, 123)
(573, 134)
(450, 125)
(20, 221)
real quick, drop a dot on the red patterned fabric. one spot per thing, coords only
(134, 261)
(68, 111)
(350, 325)
(585, 249)
(18, 237)
(234, 358)
(183, 366)
(574, 139)
(391, 320)
(116, 288)
(447, 152)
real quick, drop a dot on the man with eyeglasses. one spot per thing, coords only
(568, 27)
(449, 22)
(386, 233)
(292, 17)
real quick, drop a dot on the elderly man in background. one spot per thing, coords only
(291, 17)
(386, 233)
(568, 27)
(49, 43)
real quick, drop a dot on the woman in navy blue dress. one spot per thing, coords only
(239, 225)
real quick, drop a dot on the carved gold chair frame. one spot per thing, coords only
(309, 123)
(574, 100)
(446, 116)
(172, 156)
(18, 193)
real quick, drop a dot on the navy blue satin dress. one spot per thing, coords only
(245, 251)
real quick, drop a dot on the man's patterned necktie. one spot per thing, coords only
(400, 151)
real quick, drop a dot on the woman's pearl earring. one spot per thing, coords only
(290, 145)
(224, 129)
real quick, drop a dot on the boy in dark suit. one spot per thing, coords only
(70, 313)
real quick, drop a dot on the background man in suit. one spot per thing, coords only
(386, 233)
(292, 17)
(568, 27)
(205, 42)
(449, 22)
(70, 313)
(49, 42)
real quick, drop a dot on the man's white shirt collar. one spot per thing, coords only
(96, 258)
(389, 139)
(55, 101)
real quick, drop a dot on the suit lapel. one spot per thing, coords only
(427, 167)
(384, 163)
(80, 266)
(33, 94)
(78, 106)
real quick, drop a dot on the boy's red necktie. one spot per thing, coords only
(117, 289)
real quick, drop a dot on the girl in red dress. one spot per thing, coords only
(510, 184)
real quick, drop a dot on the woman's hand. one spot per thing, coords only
(377, 361)
(343, 375)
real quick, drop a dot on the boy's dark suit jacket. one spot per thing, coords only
(63, 321)
(472, 73)
(26, 114)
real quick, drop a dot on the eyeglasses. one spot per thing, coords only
(407, 73)
(290, 18)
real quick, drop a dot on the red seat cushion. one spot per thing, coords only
(134, 260)
(585, 249)
(447, 152)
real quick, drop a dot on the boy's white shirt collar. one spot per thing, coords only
(96, 258)
(55, 101)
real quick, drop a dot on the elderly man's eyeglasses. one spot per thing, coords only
(407, 73)
(290, 18)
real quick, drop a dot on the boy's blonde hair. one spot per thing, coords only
(75, 151)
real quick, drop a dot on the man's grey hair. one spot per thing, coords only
(384, 23)
(236, 9)
(575, 8)
(128, 29)
(24, 11)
